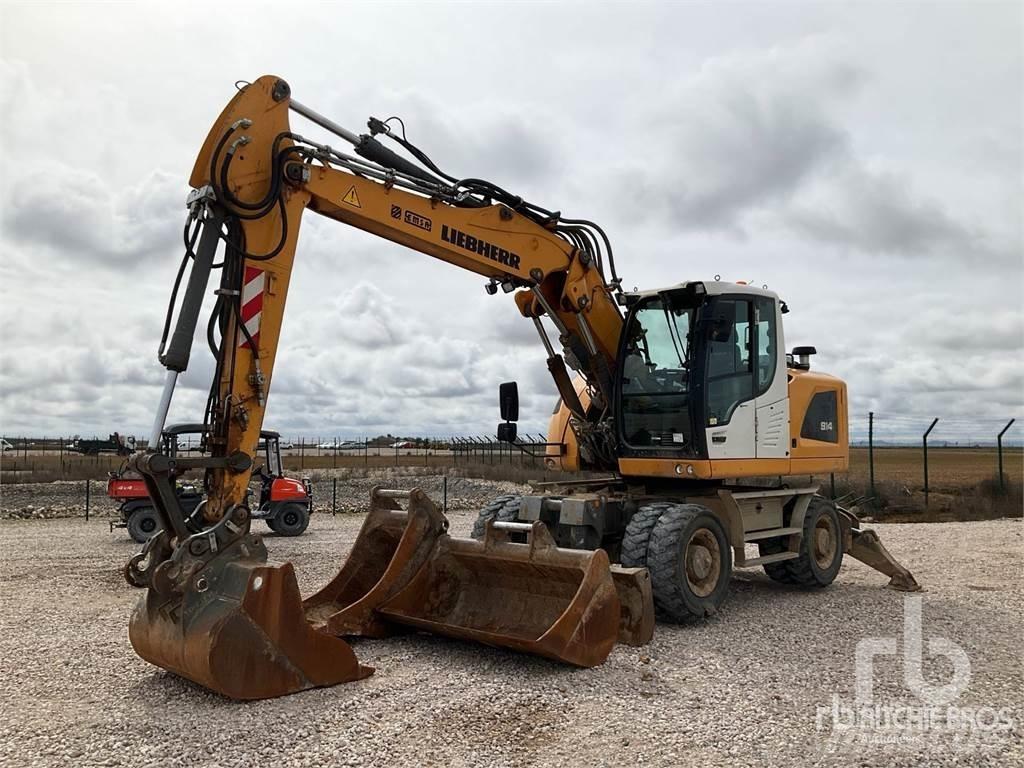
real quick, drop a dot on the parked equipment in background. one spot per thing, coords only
(122, 446)
(680, 406)
(284, 502)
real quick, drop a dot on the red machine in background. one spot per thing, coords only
(284, 502)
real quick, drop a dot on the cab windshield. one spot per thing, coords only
(656, 376)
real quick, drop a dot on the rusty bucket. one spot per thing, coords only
(392, 546)
(235, 625)
(531, 597)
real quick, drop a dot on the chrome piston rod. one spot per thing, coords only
(161, 411)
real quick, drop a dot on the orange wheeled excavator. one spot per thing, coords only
(679, 398)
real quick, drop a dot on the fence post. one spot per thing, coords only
(302, 453)
(334, 500)
(334, 460)
(445, 486)
(999, 443)
(87, 501)
(871, 451)
(924, 440)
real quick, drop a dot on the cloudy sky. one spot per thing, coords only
(863, 160)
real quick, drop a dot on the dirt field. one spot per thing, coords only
(753, 685)
(948, 468)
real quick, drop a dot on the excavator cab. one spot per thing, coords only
(705, 384)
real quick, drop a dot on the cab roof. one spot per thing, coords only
(713, 288)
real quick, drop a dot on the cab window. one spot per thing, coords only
(655, 390)
(730, 369)
(766, 344)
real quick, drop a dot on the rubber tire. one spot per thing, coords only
(504, 509)
(284, 526)
(143, 524)
(804, 570)
(673, 598)
(638, 533)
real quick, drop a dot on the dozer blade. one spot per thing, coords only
(868, 548)
(235, 624)
(532, 597)
(392, 546)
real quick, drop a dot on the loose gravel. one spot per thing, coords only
(752, 685)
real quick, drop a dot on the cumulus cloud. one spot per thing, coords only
(816, 156)
(744, 131)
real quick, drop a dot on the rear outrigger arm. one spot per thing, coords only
(868, 548)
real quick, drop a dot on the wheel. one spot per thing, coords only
(821, 547)
(690, 562)
(143, 523)
(504, 509)
(638, 533)
(290, 520)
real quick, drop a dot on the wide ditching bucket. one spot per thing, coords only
(405, 573)
(531, 597)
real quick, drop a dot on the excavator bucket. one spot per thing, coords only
(237, 628)
(531, 597)
(392, 546)
(405, 572)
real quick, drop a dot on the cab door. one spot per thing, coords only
(771, 418)
(730, 406)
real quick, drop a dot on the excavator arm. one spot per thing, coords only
(254, 178)
(215, 610)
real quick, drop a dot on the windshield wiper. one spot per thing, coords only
(673, 332)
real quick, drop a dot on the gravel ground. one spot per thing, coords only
(742, 688)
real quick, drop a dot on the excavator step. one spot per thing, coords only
(771, 533)
(766, 559)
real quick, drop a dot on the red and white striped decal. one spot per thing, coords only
(252, 304)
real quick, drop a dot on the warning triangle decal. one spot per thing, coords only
(351, 197)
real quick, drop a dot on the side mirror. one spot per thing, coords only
(508, 401)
